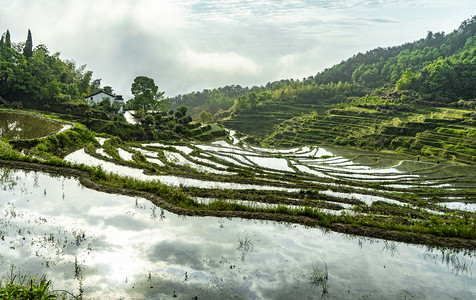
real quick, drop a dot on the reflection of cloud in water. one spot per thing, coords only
(183, 253)
(123, 242)
(126, 223)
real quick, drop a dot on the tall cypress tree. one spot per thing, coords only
(28, 49)
(8, 43)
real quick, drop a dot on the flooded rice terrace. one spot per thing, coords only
(114, 246)
(355, 180)
(14, 125)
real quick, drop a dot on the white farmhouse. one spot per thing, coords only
(98, 97)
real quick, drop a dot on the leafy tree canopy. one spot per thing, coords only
(147, 95)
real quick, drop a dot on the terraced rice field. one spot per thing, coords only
(327, 181)
(442, 133)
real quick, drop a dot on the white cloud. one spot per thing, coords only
(228, 63)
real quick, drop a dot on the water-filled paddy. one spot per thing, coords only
(222, 165)
(14, 126)
(124, 247)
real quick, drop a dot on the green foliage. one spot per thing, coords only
(28, 49)
(37, 79)
(59, 144)
(7, 152)
(149, 120)
(407, 81)
(205, 117)
(8, 42)
(182, 109)
(211, 101)
(146, 95)
(26, 287)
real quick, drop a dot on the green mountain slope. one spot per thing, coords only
(437, 132)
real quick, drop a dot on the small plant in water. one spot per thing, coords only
(244, 246)
(320, 276)
(245, 243)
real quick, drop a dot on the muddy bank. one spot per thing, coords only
(407, 237)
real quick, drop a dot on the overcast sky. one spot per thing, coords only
(190, 45)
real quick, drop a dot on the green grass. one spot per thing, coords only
(30, 288)
(320, 277)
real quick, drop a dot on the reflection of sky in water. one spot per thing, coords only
(133, 249)
(28, 126)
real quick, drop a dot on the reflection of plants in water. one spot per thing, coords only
(139, 206)
(78, 274)
(391, 248)
(79, 236)
(77, 268)
(320, 276)
(406, 295)
(455, 263)
(244, 246)
(149, 276)
(7, 179)
(455, 259)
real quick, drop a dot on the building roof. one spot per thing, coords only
(99, 92)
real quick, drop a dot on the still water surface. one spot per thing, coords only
(14, 126)
(124, 247)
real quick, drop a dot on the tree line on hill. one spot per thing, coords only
(440, 67)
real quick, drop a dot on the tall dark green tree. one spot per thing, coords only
(28, 49)
(8, 42)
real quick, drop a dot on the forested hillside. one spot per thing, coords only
(33, 77)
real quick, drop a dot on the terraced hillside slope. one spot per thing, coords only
(434, 132)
